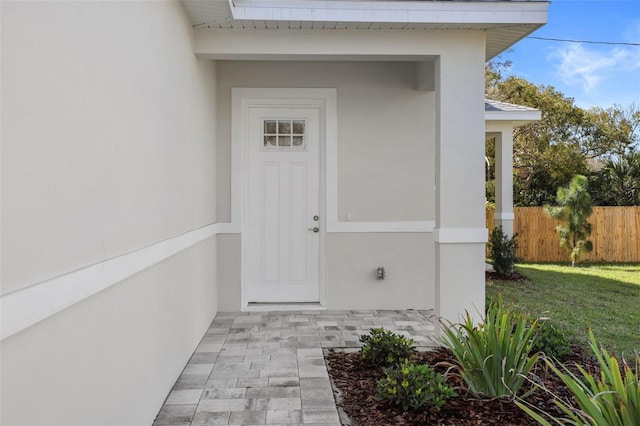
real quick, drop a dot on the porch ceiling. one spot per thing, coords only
(505, 22)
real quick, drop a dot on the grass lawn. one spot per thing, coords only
(605, 297)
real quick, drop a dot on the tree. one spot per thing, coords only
(617, 129)
(574, 209)
(567, 141)
(622, 179)
(546, 153)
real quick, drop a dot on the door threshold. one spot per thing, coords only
(270, 306)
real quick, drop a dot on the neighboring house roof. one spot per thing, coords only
(505, 21)
(503, 111)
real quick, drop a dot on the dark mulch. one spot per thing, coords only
(357, 381)
(514, 276)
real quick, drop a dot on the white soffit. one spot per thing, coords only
(506, 22)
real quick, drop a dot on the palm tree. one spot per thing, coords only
(623, 177)
(574, 208)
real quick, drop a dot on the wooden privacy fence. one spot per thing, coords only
(615, 236)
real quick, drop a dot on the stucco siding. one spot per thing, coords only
(352, 260)
(229, 272)
(460, 233)
(111, 359)
(108, 165)
(108, 134)
(385, 133)
(386, 139)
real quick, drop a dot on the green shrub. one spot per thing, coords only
(414, 386)
(550, 340)
(502, 250)
(385, 348)
(493, 357)
(613, 399)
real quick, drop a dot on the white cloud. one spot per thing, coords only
(588, 67)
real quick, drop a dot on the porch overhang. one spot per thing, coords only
(505, 22)
(500, 120)
(496, 113)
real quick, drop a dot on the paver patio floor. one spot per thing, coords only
(268, 367)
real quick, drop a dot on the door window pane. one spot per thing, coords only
(298, 127)
(284, 134)
(270, 126)
(284, 127)
(270, 142)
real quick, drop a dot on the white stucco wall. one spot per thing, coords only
(229, 272)
(352, 259)
(107, 123)
(385, 126)
(385, 174)
(112, 359)
(460, 232)
(108, 148)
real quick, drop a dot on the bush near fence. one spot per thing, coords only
(615, 236)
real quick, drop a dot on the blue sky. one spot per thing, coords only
(592, 74)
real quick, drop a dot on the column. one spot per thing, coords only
(460, 233)
(504, 178)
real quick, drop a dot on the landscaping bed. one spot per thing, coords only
(526, 317)
(357, 379)
(513, 277)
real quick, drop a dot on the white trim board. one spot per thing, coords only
(23, 308)
(504, 216)
(460, 235)
(334, 227)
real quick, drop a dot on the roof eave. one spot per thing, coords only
(450, 14)
(505, 22)
(517, 118)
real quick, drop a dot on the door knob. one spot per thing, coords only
(314, 229)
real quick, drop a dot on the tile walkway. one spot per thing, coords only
(268, 368)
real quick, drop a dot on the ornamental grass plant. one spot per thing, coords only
(493, 358)
(612, 399)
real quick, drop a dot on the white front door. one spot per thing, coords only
(283, 224)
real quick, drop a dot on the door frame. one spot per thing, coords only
(242, 99)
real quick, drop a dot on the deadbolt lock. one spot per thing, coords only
(316, 218)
